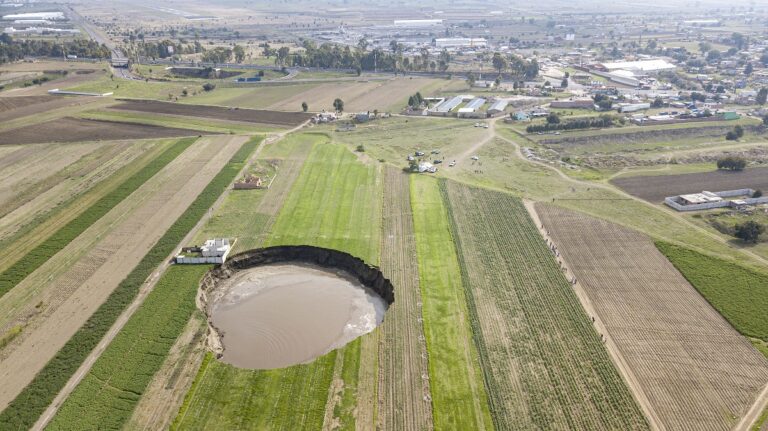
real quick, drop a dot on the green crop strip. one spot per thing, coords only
(738, 293)
(56, 242)
(24, 410)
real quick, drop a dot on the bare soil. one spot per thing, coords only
(54, 301)
(12, 108)
(217, 112)
(693, 368)
(656, 188)
(80, 130)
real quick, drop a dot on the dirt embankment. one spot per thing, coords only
(368, 275)
(717, 131)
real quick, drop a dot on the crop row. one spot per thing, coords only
(738, 293)
(544, 365)
(110, 391)
(56, 242)
(24, 410)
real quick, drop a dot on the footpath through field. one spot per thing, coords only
(69, 299)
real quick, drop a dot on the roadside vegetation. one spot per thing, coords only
(24, 410)
(63, 236)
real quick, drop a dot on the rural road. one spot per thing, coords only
(149, 284)
(490, 135)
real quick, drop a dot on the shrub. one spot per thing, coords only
(208, 86)
(749, 231)
(732, 163)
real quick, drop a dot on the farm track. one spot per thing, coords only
(98, 260)
(694, 369)
(543, 362)
(403, 387)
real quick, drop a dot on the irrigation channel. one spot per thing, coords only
(287, 305)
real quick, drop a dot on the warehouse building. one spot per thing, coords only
(498, 107)
(460, 42)
(472, 109)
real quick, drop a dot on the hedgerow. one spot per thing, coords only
(56, 242)
(24, 410)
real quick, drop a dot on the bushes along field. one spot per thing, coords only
(56, 242)
(24, 410)
(738, 293)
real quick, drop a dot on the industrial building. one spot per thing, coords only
(637, 67)
(472, 109)
(573, 104)
(498, 107)
(418, 23)
(446, 106)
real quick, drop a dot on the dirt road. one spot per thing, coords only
(92, 278)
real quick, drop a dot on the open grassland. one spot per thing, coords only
(543, 362)
(37, 256)
(656, 188)
(692, 368)
(335, 202)
(403, 389)
(193, 124)
(459, 400)
(83, 130)
(395, 138)
(110, 391)
(739, 294)
(24, 410)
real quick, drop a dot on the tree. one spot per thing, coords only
(765, 120)
(239, 53)
(471, 79)
(499, 62)
(757, 194)
(338, 105)
(208, 86)
(748, 69)
(304, 106)
(762, 95)
(553, 118)
(658, 102)
(564, 83)
(732, 163)
(749, 231)
(739, 131)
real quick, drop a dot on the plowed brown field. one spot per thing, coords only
(695, 370)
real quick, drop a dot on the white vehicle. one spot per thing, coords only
(477, 124)
(485, 125)
(475, 158)
(452, 164)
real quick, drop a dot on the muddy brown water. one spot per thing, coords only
(279, 315)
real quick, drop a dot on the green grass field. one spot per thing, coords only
(336, 203)
(739, 294)
(459, 400)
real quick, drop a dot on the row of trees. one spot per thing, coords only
(12, 50)
(553, 123)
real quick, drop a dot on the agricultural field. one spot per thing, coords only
(403, 392)
(687, 365)
(543, 361)
(55, 300)
(459, 398)
(193, 124)
(215, 112)
(656, 188)
(298, 397)
(79, 130)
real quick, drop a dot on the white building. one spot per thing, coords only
(212, 251)
(498, 107)
(35, 15)
(639, 67)
(460, 42)
(418, 23)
